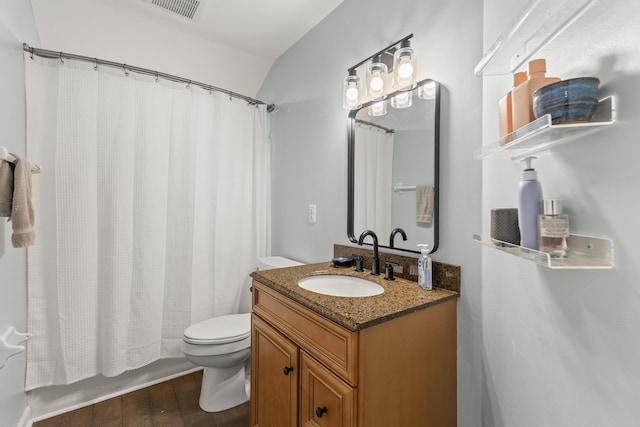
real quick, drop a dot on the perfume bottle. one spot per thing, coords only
(553, 226)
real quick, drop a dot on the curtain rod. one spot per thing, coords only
(127, 68)
(364, 122)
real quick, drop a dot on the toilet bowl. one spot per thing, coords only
(222, 345)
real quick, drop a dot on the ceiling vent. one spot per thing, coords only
(189, 9)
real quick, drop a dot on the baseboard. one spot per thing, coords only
(110, 396)
(25, 420)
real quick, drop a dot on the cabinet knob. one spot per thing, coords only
(287, 369)
(320, 411)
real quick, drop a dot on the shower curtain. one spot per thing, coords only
(152, 207)
(373, 180)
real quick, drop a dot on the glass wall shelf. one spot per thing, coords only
(539, 24)
(541, 134)
(586, 252)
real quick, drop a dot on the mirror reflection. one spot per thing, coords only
(394, 167)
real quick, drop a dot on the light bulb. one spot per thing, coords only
(405, 70)
(376, 79)
(376, 83)
(404, 65)
(351, 91)
(352, 94)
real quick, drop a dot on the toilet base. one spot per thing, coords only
(222, 389)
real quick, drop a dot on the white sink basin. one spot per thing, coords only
(340, 286)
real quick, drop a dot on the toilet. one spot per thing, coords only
(222, 345)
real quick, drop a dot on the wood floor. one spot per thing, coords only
(172, 404)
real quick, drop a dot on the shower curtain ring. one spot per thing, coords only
(61, 61)
(157, 80)
(95, 67)
(31, 52)
(188, 84)
(210, 90)
(124, 68)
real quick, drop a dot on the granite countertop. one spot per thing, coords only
(400, 296)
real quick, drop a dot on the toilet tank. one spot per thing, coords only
(264, 263)
(271, 262)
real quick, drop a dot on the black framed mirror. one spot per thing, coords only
(394, 166)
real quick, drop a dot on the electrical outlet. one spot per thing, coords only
(312, 214)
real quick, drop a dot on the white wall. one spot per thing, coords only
(16, 26)
(95, 29)
(561, 348)
(310, 142)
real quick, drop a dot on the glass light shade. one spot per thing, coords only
(402, 100)
(427, 91)
(404, 66)
(376, 79)
(377, 109)
(351, 91)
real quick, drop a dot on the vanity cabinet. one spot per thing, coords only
(274, 382)
(307, 370)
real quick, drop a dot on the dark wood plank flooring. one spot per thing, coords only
(172, 403)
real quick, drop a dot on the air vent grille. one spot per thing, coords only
(186, 8)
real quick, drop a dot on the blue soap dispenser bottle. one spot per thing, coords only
(425, 268)
(529, 206)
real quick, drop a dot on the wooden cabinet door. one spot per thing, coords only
(325, 400)
(274, 377)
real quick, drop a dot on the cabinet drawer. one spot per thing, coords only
(325, 400)
(329, 343)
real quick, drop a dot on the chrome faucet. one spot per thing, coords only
(375, 262)
(393, 235)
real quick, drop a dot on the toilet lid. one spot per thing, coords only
(220, 330)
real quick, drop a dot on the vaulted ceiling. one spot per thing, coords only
(262, 27)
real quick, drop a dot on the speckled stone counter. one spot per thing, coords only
(400, 296)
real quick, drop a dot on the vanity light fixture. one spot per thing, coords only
(351, 91)
(404, 66)
(398, 58)
(427, 91)
(378, 108)
(402, 99)
(376, 78)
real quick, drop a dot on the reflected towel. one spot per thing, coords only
(424, 203)
(22, 214)
(6, 188)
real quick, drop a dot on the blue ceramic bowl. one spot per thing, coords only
(567, 101)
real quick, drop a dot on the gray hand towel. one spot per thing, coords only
(22, 214)
(6, 188)
(424, 203)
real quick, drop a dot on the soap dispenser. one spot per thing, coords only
(529, 206)
(425, 268)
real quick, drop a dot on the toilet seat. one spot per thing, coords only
(219, 330)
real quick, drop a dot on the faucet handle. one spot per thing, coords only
(388, 273)
(359, 259)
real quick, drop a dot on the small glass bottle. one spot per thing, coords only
(554, 229)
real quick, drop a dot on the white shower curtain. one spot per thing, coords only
(153, 205)
(373, 180)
